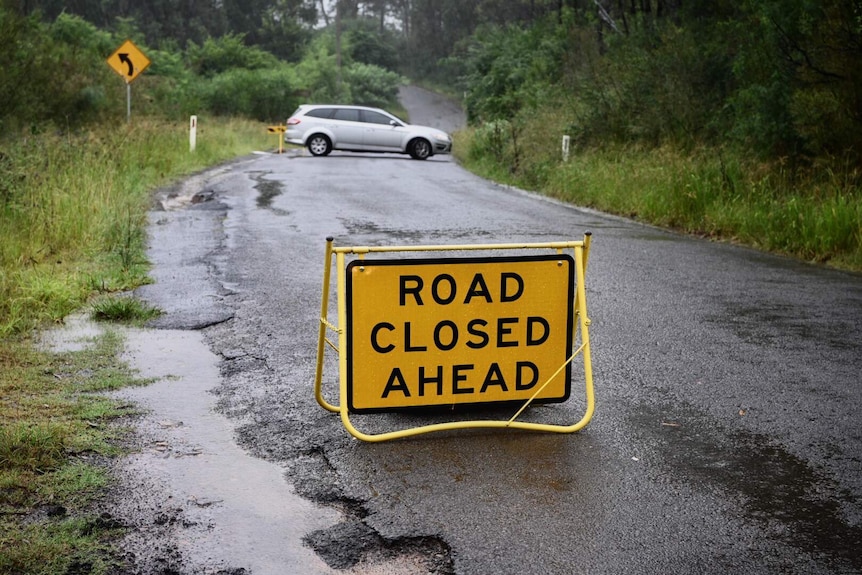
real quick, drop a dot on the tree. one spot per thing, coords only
(368, 44)
(799, 76)
(32, 91)
(286, 28)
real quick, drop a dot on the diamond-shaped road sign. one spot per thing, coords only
(128, 61)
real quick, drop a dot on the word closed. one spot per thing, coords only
(435, 332)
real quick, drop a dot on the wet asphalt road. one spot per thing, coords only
(727, 434)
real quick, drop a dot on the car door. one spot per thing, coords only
(348, 129)
(380, 134)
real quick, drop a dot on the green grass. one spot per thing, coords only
(123, 309)
(72, 236)
(63, 545)
(73, 208)
(32, 447)
(813, 215)
(53, 428)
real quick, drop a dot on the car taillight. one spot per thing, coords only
(293, 121)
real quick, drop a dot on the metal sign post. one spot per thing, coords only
(129, 62)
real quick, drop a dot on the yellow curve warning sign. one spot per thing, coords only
(128, 61)
(458, 331)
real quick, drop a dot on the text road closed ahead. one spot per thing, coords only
(458, 331)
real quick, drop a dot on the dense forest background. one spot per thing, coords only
(779, 79)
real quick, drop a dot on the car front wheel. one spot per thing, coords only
(420, 149)
(319, 145)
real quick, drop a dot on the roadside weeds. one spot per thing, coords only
(58, 435)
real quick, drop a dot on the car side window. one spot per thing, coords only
(371, 117)
(347, 114)
(320, 113)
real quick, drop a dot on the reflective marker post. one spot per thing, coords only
(456, 332)
(193, 133)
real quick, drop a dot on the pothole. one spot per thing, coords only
(355, 546)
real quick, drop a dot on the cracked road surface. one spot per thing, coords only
(726, 437)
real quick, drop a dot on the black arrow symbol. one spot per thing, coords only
(125, 58)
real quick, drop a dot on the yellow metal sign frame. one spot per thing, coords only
(279, 131)
(581, 322)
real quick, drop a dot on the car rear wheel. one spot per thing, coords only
(420, 149)
(319, 145)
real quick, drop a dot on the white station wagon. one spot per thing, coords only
(323, 128)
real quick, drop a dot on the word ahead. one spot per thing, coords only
(458, 331)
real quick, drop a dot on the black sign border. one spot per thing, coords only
(570, 328)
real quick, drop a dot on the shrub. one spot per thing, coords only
(491, 139)
(265, 95)
(218, 55)
(318, 73)
(372, 85)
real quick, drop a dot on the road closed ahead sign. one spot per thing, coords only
(461, 331)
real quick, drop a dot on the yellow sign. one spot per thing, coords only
(128, 61)
(278, 130)
(438, 332)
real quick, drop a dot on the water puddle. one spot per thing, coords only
(229, 508)
(192, 500)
